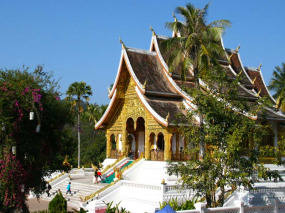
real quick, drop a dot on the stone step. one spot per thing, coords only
(78, 189)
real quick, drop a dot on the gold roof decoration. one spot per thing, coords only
(144, 84)
(175, 19)
(253, 80)
(65, 162)
(239, 73)
(152, 30)
(229, 58)
(123, 45)
(258, 94)
(93, 166)
(167, 116)
(260, 65)
(237, 49)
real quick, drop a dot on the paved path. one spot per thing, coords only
(40, 205)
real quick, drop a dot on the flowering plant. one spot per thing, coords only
(12, 177)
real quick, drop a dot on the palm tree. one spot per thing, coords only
(198, 47)
(92, 113)
(78, 91)
(277, 84)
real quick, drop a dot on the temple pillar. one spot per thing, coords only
(137, 144)
(108, 145)
(167, 146)
(177, 143)
(147, 146)
(124, 139)
(275, 132)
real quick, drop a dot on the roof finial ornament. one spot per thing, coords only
(109, 91)
(229, 58)
(167, 116)
(260, 65)
(144, 84)
(239, 73)
(175, 19)
(152, 30)
(253, 80)
(237, 49)
(123, 45)
(258, 94)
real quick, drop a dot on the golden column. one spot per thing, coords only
(124, 138)
(177, 143)
(147, 147)
(108, 139)
(167, 152)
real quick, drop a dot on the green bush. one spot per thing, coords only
(58, 204)
(80, 211)
(189, 204)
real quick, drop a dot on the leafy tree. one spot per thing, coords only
(12, 176)
(199, 46)
(230, 129)
(41, 143)
(94, 112)
(278, 85)
(93, 141)
(58, 204)
(80, 91)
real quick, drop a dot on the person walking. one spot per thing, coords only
(68, 188)
(48, 189)
(96, 175)
(99, 175)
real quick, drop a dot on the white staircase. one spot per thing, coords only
(141, 190)
(81, 186)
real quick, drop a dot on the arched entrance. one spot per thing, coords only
(153, 146)
(140, 132)
(113, 146)
(160, 147)
(135, 139)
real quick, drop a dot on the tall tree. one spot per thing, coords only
(40, 143)
(93, 113)
(79, 91)
(198, 47)
(230, 133)
(277, 84)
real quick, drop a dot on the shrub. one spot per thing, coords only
(58, 204)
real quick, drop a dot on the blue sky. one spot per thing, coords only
(79, 39)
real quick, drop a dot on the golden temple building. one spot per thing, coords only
(146, 97)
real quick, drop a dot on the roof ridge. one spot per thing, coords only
(251, 68)
(132, 49)
(163, 36)
(230, 50)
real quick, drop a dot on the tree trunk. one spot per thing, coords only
(202, 151)
(209, 199)
(78, 131)
(222, 194)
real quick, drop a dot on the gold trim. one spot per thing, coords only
(260, 65)
(253, 80)
(56, 177)
(123, 45)
(237, 49)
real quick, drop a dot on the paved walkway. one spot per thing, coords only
(40, 205)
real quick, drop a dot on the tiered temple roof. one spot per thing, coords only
(161, 92)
